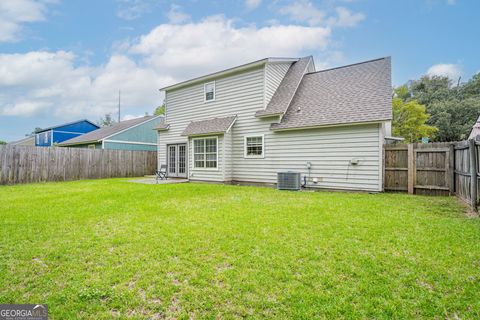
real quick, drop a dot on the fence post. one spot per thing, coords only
(473, 173)
(451, 167)
(411, 169)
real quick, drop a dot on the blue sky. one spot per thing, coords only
(66, 60)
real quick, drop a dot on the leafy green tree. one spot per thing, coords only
(430, 89)
(454, 118)
(472, 87)
(453, 109)
(106, 121)
(2, 142)
(160, 110)
(409, 120)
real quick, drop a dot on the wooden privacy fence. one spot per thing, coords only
(24, 164)
(434, 169)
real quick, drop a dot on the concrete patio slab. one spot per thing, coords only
(152, 180)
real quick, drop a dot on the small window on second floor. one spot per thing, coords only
(209, 91)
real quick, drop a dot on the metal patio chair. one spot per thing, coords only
(162, 173)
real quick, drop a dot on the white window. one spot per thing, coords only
(209, 91)
(37, 138)
(205, 152)
(45, 137)
(91, 146)
(254, 146)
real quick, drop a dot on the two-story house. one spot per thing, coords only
(247, 123)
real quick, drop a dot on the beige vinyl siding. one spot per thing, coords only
(328, 149)
(239, 94)
(274, 73)
(227, 152)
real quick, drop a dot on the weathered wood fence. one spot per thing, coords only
(434, 169)
(24, 164)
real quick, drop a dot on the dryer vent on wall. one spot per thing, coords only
(288, 180)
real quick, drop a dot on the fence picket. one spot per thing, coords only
(24, 164)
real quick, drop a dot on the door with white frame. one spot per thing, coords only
(177, 160)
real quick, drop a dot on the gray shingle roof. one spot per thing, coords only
(211, 126)
(286, 90)
(356, 93)
(104, 132)
(162, 126)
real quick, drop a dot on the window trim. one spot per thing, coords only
(205, 159)
(262, 156)
(205, 91)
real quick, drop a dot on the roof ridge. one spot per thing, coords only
(350, 65)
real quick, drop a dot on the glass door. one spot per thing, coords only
(172, 160)
(177, 160)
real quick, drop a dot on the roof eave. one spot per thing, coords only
(203, 134)
(162, 129)
(78, 143)
(330, 125)
(269, 115)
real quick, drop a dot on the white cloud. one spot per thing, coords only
(347, 18)
(252, 4)
(15, 13)
(183, 50)
(451, 2)
(452, 71)
(176, 15)
(39, 82)
(57, 84)
(132, 9)
(132, 116)
(304, 11)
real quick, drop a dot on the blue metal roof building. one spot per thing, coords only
(49, 136)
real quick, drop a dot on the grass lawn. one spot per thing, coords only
(108, 248)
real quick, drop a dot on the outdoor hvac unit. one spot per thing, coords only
(288, 181)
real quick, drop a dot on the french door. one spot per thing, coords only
(177, 160)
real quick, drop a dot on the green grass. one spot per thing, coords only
(108, 248)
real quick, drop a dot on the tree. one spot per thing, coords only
(430, 89)
(472, 87)
(106, 121)
(160, 110)
(453, 109)
(454, 118)
(2, 142)
(409, 120)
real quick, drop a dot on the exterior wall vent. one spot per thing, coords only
(288, 181)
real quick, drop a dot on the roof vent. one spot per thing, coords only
(288, 180)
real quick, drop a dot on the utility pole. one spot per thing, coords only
(118, 105)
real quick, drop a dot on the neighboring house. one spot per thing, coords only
(247, 123)
(27, 141)
(134, 134)
(57, 134)
(475, 130)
